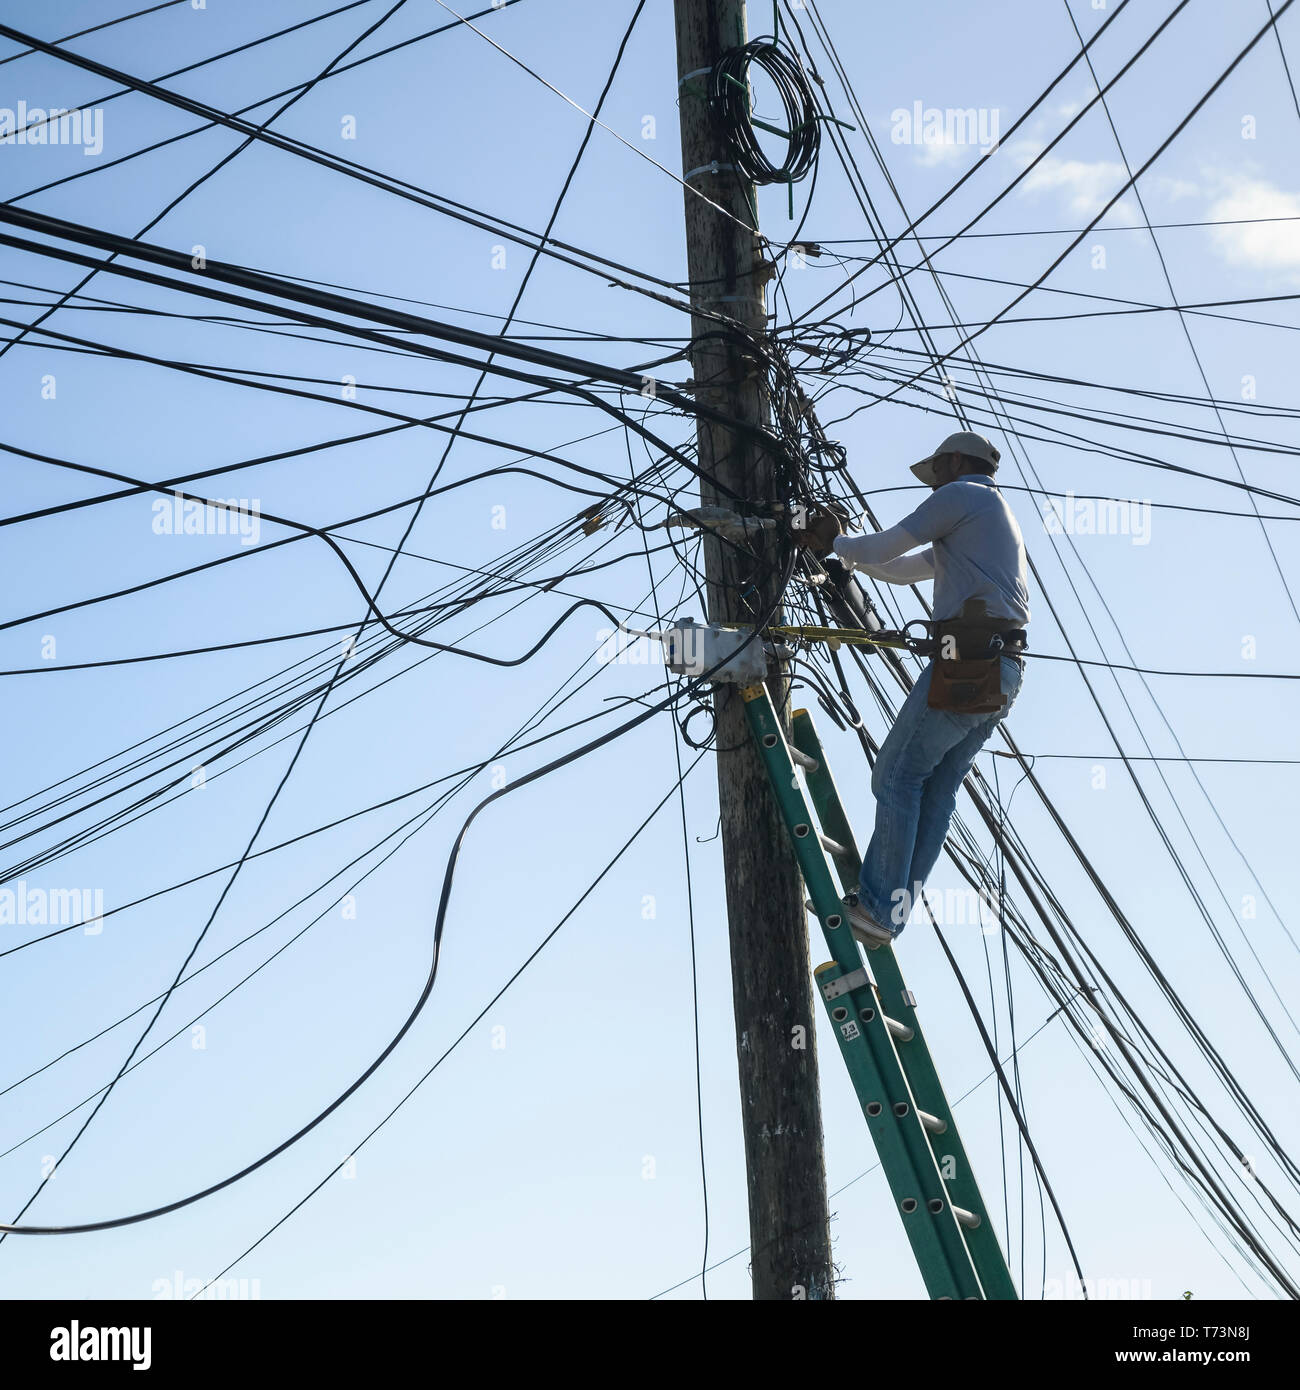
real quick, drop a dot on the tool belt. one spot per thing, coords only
(970, 682)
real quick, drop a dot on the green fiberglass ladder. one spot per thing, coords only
(874, 1016)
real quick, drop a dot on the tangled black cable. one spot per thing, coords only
(705, 708)
(797, 427)
(730, 95)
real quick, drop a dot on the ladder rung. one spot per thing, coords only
(833, 847)
(967, 1218)
(899, 1030)
(802, 759)
(932, 1122)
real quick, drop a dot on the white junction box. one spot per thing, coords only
(691, 648)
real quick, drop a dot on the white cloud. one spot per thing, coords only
(1221, 196)
(943, 150)
(1088, 185)
(1170, 187)
(1269, 246)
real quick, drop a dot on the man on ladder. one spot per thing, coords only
(976, 556)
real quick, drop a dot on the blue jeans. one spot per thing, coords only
(921, 767)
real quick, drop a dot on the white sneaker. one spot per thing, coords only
(866, 930)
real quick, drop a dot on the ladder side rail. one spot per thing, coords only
(868, 1047)
(914, 1053)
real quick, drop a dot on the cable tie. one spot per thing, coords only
(711, 168)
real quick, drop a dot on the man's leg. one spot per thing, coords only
(918, 742)
(939, 796)
(939, 801)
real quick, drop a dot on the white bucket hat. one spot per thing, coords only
(963, 442)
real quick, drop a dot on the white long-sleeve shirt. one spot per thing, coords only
(976, 550)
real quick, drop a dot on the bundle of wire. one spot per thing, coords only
(730, 94)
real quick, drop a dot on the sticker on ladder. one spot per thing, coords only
(850, 1030)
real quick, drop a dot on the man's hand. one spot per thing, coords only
(821, 526)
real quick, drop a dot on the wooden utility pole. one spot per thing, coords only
(771, 985)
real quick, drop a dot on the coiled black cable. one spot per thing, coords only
(730, 95)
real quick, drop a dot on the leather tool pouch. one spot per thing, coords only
(970, 682)
(967, 687)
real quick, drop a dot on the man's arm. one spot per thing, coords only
(906, 569)
(883, 556)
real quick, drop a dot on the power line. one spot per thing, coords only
(440, 919)
(478, 1018)
(106, 24)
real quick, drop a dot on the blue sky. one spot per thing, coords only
(555, 1152)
